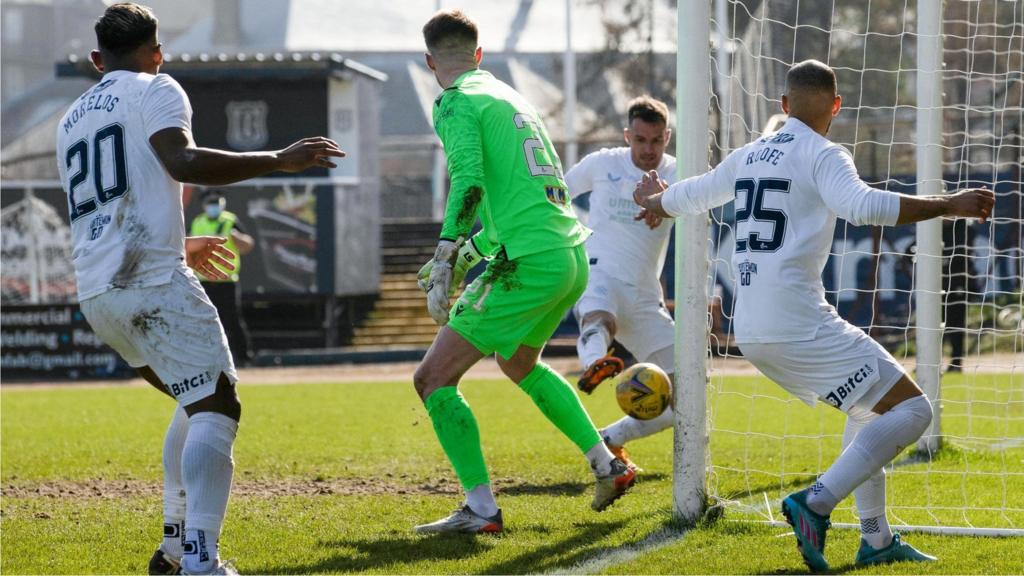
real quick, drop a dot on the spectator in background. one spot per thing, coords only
(957, 237)
(226, 294)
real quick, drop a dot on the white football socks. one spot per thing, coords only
(481, 500)
(174, 488)
(874, 446)
(207, 467)
(593, 343)
(628, 428)
(869, 496)
(600, 458)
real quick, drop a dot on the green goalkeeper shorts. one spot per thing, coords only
(520, 302)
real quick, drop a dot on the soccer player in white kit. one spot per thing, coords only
(624, 297)
(790, 187)
(122, 149)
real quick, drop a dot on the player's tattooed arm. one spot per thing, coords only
(202, 252)
(189, 163)
(971, 203)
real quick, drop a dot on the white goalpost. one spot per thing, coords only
(691, 349)
(933, 101)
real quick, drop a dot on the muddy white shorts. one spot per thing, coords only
(841, 366)
(172, 328)
(643, 324)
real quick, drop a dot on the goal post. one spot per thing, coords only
(691, 312)
(933, 100)
(928, 257)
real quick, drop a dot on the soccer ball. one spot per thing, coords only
(643, 391)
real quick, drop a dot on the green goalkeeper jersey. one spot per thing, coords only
(503, 169)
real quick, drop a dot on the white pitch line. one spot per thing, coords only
(1008, 443)
(622, 554)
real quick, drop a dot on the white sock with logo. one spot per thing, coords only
(628, 428)
(593, 343)
(174, 487)
(874, 446)
(207, 467)
(869, 496)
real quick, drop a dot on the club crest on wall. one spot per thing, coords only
(247, 124)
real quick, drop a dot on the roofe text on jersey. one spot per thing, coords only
(91, 100)
(769, 154)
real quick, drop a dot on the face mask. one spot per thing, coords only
(212, 210)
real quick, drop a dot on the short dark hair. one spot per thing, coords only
(124, 27)
(648, 109)
(811, 75)
(212, 194)
(450, 29)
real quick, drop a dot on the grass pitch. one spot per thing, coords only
(331, 477)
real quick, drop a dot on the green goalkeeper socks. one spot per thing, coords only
(558, 401)
(457, 430)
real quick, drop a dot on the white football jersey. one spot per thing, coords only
(127, 224)
(789, 187)
(624, 248)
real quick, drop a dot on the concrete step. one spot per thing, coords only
(402, 285)
(413, 339)
(408, 241)
(411, 312)
(418, 250)
(419, 303)
(374, 331)
(411, 294)
(403, 268)
(387, 321)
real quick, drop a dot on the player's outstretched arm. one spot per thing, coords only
(648, 195)
(971, 203)
(186, 162)
(202, 252)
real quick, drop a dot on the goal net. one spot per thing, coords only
(956, 284)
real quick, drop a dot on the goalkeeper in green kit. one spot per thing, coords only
(503, 170)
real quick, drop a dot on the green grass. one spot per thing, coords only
(369, 443)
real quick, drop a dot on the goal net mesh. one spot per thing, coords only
(764, 443)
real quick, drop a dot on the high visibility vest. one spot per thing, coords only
(221, 227)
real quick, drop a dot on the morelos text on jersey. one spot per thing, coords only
(126, 214)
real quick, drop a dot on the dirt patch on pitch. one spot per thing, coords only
(391, 484)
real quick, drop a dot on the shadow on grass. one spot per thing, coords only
(579, 547)
(396, 552)
(558, 488)
(843, 569)
(587, 556)
(795, 482)
(359, 555)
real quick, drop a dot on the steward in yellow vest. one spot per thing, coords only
(215, 221)
(226, 295)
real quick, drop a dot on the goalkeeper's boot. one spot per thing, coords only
(621, 453)
(612, 486)
(896, 551)
(810, 529)
(598, 372)
(464, 521)
(164, 563)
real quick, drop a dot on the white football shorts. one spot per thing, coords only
(172, 328)
(841, 366)
(643, 324)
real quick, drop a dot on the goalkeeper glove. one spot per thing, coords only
(439, 282)
(469, 256)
